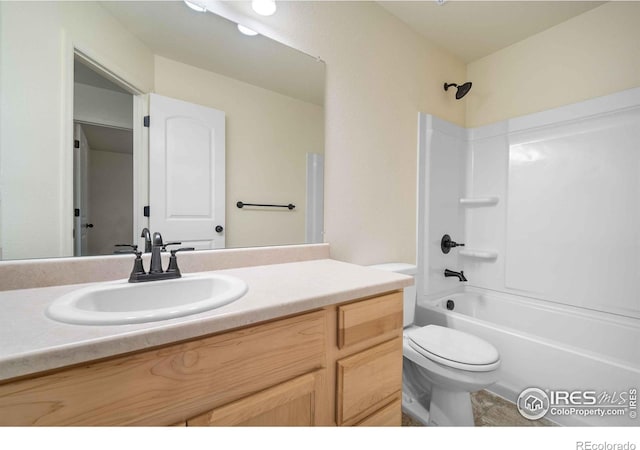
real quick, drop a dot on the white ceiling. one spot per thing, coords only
(213, 43)
(474, 29)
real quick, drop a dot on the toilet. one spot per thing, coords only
(441, 366)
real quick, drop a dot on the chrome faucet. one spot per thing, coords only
(451, 273)
(146, 234)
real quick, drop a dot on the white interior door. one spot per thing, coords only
(187, 172)
(80, 192)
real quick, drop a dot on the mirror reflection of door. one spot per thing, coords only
(187, 172)
(103, 163)
(80, 191)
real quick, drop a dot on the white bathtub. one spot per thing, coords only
(547, 345)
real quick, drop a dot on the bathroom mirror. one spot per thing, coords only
(79, 74)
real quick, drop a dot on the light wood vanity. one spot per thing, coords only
(337, 365)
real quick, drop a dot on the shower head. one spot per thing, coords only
(462, 89)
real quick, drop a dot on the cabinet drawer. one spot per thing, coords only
(367, 319)
(367, 380)
(388, 416)
(292, 403)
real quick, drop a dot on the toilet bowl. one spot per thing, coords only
(441, 366)
(454, 364)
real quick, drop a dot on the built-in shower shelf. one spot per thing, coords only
(479, 254)
(478, 201)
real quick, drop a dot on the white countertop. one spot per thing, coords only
(30, 342)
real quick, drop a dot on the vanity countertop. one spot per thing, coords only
(30, 342)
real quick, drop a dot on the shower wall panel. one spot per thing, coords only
(443, 155)
(573, 213)
(566, 228)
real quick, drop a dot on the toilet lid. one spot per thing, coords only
(454, 348)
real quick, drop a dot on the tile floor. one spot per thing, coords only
(489, 410)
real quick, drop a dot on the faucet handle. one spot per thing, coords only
(183, 249)
(138, 269)
(164, 246)
(173, 261)
(132, 248)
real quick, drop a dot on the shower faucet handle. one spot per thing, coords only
(446, 244)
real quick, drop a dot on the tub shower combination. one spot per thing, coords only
(547, 208)
(544, 344)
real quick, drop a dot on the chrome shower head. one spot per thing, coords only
(463, 89)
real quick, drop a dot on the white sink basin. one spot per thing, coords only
(120, 302)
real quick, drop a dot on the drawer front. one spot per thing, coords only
(366, 319)
(292, 403)
(367, 381)
(387, 416)
(168, 385)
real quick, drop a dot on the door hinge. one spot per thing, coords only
(76, 212)
(147, 121)
(76, 144)
(146, 211)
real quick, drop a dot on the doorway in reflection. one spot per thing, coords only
(102, 164)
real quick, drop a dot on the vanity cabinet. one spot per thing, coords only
(169, 385)
(340, 365)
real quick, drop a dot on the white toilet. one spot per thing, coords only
(441, 366)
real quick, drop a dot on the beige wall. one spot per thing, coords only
(594, 54)
(36, 138)
(380, 74)
(267, 138)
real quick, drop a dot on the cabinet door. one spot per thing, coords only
(387, 416)
(367, 381)
(292, 403)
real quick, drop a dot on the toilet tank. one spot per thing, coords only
(409, 306)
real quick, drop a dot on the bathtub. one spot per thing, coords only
(546, 345)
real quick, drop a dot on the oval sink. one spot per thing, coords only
(120, 302)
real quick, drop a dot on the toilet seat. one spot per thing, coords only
(453, 348)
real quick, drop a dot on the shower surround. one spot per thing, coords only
(548, 208)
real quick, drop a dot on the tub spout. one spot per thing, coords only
(451, 273)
